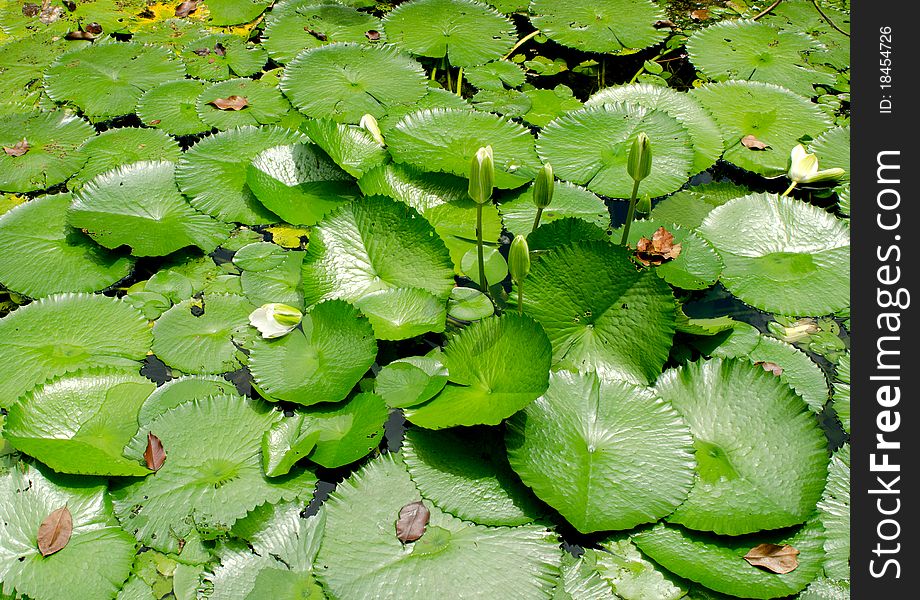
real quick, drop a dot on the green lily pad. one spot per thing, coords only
(509, 103)
(696, 268)
(65, 332)
(800, 17)
(234, 12)
(608, 26)
(172, 107)
(590, 147)
(222, 56)
(834, 514)
(704, 133)
(294, 26)
(633, 576)
(53, 155)
(577, 447)
(434, 98)
(139, 205)
(496, 75)
(782, 255)
(547, 105)
(755, 51)
(465, 472)
(403, 313)
(27, 496)
(761, 457)
(826, 589)
(600, 313)
(580, 579)
(519, 211)
(689, 206)
(717, 562)
(320, 363)
(774, 115)
(345, 81)
(208, 481)
(468, 304)
(125, 70)
(288, 441)
(361, 557)
(182, 389)
(79, 423)
(282, 283)
(213, 172)
(467, 32)
(833, 150)
(41, 255)
(495, 266)
(842, 391)
(22, 61)
(200, 335)
(348, 431)
(350, 146)
(410, 381)
(299, 183)
(264, 104)
(447, 139)
(496, 367)
(123, 146)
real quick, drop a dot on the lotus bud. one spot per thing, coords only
(275, 320)
(644, 205)
(369, 123)
(639, 164)
(543, 186)
(803, 167)
(519, 259)
(482, 174)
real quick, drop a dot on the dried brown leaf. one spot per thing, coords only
(776, 559)
(665, 23)
(186, 8)
(219, 49)
(70, 5)
(30, 9)
(93, 28)
(317, 34)
(201, 51)
(700, 14)
(372, 34)
(660, 249)
(55, 531)
(771, 367)
(230, 103)
(154, 455)
(20, 148)
(79, 35)
(752, 143)
(413, 518)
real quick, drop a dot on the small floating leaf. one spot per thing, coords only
(55, 531)
(154, 455)
(773, 557)
(412, 520)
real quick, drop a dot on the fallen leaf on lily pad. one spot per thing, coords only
(665, 23)
(93, 28)
(774, 558)
(660, 249)
(54, 532)
(30, 9)
(230, 103)
(771, 368)
(413, 518)
(18, 149)
(186, 8)
(372, 34)
(318, 35)
(154, 455)
(219, 49)
(79, 35)
(751, 142)
(701, 14)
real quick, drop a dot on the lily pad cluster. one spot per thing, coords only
(264, 338)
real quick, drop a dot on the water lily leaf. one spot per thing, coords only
(718, 563)
(580, 579)
(590, 147)
(762, 464)
(182, 389)
(293, 26)
(834, 514)
(53, 138)
(633, 576)
(688, 207)
(222, 56)
(234, 12)
(467, 32)
(774, 115)
(213, 172)
(704, 133)
(826, 589)
(434, 98)
(347, 431)
(403, 313)
(576, 446)
(800, 17)
(755, 51)
(122, 146)
(200, 335)
(282, 283)
(139, 205)
(79, 423)
(351, 147)
(588, 297)
(609, 26)
(285, 443)
(321, 363)
(496, 75)
(446, 140)
(204, 485)
(172, 107)
(565, 231)
(410, 381)
(510, 103)
(41, 255)
(124, 70)
(547, 105)
(496, 367)
(27, 497)
(241, 102)
(361, 556)
(832, 150)
(696, 266)
(781, 254)
(468, 304)
(344, 261)
(465, 472)
(22, 62)
(66, 332)
(842, 391)
(299, 183)
(519, 211)
(496, 268)
(346, 81)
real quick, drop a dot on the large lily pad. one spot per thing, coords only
(222, 56)
(139, 206)
(124, 145)
(519, 211)
(761, 457)
(234, 12)
(834, 513)
(349, 146)
(347, 431)
(600, 313)
(172, 107)
(833, 150)
(263, 105)
(688, 207)
(587, 447)
(781, 254)
(608, 26)
(53, 154)
(294, 26)
(41, 255)
(634, 577)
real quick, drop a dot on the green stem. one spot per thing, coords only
(483, 283)
(521, 42)
(790, 188)
(603, 73)
(450, 86)
(434, 72)
(826, 18)
(460, 81)
(521, 298)
(767, 10)
(630, 214)
(536, 221)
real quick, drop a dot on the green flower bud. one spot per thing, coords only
(639, 164)
(369, 123)
(543, 186)
(519, 259)
(482, 174)
(644, 205)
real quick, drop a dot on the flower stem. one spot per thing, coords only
(630, 214)
(521, 42)
(536, 221)
(767, 10)
(434, 72)
(789, 189)
(483, 284)
(826, 18)
(460, 81)
(521, 298)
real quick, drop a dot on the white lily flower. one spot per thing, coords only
(275, 320)
(369, 123)
(803, 167)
